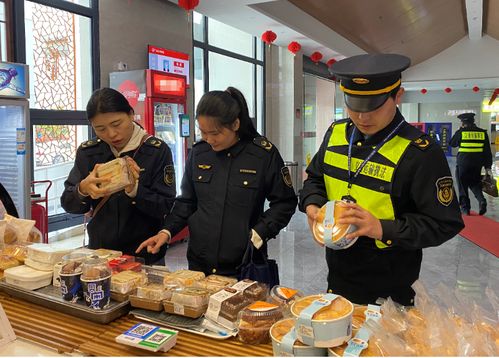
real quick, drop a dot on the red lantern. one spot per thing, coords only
(268, 37)
(294, 47)
(448, 90)
(476, 89)
(423, 91)
(188, 5)
(331, 62)
(316, 57)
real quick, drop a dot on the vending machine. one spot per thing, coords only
(441, 132)
(15, 169)
(159, 102)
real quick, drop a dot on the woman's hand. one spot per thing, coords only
(134, 170)
(90, 185)
(367, 224)
(153, 244)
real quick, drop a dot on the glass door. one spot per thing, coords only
(167, 128)
(14, 151)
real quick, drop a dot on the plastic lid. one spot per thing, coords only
(95, 268)
(261, 310)
(338, 308)
(78, 256)
(284, 294)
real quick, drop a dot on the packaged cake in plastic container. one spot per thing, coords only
(215, 283)
(185, 278)
(191, 296)
(27, 277)
(224, 306)
(285, 343)
(46, 253)
(255, 320)
(323, 320)
(284, 296)
(126, 281)
(152, 291)
(252, 290)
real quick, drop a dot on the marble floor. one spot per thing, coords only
(457, 264)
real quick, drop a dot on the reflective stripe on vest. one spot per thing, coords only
(379, 203)
(472, 142)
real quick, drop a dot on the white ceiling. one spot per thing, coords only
(292, 24)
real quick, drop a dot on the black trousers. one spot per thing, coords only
(469, 177)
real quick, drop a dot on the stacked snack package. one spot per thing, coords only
(14, 230)
(117, 172)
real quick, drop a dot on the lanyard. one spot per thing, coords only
(351, 178)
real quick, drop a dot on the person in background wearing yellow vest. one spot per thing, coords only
(396, 178)
(474, 153)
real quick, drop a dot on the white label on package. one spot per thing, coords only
(215, 302)
(178, 309)
(243, 285)
(305, 319)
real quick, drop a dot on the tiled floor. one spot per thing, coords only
(458, 263)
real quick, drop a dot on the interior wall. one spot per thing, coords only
(127, 27)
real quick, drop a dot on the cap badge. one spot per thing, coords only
(360, 81)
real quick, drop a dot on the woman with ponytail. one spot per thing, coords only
(228, 176)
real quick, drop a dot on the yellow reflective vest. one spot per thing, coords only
(372, 188)
(472, 141)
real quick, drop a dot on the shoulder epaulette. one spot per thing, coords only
(422, 142)
(90, 143)
(153, 141)
(263, 142)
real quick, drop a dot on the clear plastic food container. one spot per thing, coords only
(185, 278)
(95, 269)
(326, 320)
(285, 342)
(184, 310)
(27, 277)
(46, 253)
(252, 290)
(327, 232)
(215, 283)
(126, 281)
(152, 291)
(284, 296)
(191, 296)
(255, 320)
(17, 251)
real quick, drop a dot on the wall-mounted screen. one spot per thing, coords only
(161, 59)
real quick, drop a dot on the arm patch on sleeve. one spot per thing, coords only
(169, 175)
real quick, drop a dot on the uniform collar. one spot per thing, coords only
(377, 137)
(235, 149)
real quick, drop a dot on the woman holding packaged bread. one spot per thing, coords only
(228, 177)
(124, 178)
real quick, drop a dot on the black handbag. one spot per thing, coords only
(489, 186)
(256, 266)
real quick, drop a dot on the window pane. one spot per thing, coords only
(3, 33)
(80, 2)
(54, 151)
(227, 71)
(259, 49)
(259, 100)
(198, 26)
(229, 38)
(58, 51)
(198, 84)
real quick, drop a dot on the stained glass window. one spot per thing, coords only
(58, 51)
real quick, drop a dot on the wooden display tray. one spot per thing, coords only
(50, 297)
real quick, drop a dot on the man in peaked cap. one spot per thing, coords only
(473, 154)
(395, 180)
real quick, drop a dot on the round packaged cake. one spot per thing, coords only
(327, 232)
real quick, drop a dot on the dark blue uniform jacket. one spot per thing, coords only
(124, 222)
